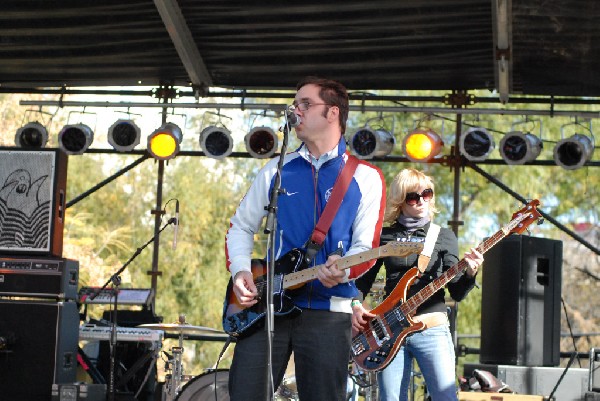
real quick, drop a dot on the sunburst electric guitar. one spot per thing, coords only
(290, 275)
(376, 345)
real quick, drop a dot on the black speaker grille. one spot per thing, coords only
(520, 303)
(40, 348)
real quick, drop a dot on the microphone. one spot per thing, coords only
(293, 120)
(176, 224)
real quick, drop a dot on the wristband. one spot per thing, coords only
(355, 302)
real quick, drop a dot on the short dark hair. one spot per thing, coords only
(332, 93)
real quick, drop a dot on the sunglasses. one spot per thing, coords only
(412, 198)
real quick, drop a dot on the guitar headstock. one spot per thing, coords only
(398, 248)
(524, 217)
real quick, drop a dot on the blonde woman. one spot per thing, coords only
(409, 211)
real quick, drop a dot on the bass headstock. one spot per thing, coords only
(524, 217)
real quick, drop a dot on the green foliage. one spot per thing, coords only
(194, 278)
(105, 228)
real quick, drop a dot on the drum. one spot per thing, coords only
(288, 391)
(202, 388)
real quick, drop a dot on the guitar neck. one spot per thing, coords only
(426, 292)
(306, 275)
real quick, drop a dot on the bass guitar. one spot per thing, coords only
(380, 338)
(289, 276)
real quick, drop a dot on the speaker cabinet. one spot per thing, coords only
(38, 348)
(520, 305)
(32, 201)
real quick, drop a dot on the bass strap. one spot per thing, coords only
(335, 200)
(425, 255)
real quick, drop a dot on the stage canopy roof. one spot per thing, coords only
(532, 47)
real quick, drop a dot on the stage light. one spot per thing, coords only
(31, 136)
(367, 143)
(422, 145)
(124, 135)
(261, 142)
(216, 142)
(74, 139)
(476, 144)
(517, 147)
(163, 143)
(573, 152)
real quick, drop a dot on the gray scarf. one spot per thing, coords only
(412, 223)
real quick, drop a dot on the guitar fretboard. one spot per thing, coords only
(390, 249)
(411, 304)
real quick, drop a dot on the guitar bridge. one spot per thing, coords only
(379, 330)
(359, 345)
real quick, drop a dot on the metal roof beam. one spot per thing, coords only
(502, 29)
(184, 43)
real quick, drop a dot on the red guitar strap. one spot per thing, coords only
(337, 194)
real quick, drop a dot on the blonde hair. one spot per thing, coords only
(407, 180)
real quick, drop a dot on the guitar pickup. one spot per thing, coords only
(379, 330)
(359, 344)
(401, 317)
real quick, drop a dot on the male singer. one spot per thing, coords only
(319, 336)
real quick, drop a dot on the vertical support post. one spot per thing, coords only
(157, 218)
(158, 213)
(455, 222)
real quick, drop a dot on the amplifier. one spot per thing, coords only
(54, 278)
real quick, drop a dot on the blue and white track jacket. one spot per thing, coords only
(355, 228)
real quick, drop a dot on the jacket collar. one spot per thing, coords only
(338, 150)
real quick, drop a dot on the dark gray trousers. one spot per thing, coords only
(320, 341)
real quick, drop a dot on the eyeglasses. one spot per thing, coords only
(412, 198)
(303, 106)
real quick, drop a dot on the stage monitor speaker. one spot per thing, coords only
(32, 201)
(38, 348)
(520, 302)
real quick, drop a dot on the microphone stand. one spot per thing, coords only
(270, 227)
(115, 279)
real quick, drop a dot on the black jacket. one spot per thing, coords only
(443, 257)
